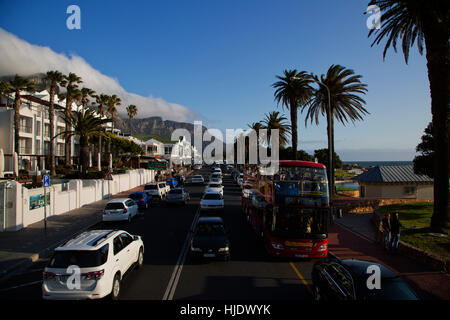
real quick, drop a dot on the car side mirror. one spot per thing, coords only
(135, 238)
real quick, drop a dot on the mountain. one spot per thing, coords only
(154, 125)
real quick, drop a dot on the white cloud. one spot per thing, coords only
(23, 58)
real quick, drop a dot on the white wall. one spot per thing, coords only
(79, 193)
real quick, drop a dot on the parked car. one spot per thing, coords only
(197, 167)
(212, 201)
(120, 209)
(164, 186)
(177, 195)
(156, 190)
(335, 279)
(142, 198)
(214, 187)
(197, 180)
(103, 256)
(210, 239)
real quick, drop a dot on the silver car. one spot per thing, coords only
(177, 195)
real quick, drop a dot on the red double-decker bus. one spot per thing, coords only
(289, 210)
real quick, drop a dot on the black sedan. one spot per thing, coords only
(352, 279)
(210, 239)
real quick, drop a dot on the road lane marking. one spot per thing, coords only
(173, 282)
(302, 279)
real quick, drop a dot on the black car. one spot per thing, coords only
(335, 279)
(210, 239)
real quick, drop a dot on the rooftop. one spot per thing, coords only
(392, 174)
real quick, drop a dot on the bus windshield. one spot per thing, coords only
(301, 186)
(299, 223)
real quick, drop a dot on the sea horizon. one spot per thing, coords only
(377, 163)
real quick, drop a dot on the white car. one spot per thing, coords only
(215, 180)
(165, 187)
(155, 190)
(99, 257)
(120, 209)
(212, 201)
(214, 187)
(197, 180)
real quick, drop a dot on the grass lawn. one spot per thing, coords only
(338, 173)
(415, 219)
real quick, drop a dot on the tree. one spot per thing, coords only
(84, 125)
(343, 88)
(53, 79)
(322, 156)
(85, 94)
(274, 120)
(293, 90)
(71, 82)
(423, 163)
(286, 154)
(131, 111)
(113, 101)
(101, 100)
(5, 90)
(18, 85)
(425, 22)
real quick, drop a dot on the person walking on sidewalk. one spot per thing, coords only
(395, 232)
(386, 231)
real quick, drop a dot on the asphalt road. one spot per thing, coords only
(169, 274)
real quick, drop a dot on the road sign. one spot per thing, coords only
(157, 165)
(46, 181)
(108, 175)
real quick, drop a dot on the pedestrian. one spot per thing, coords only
(386, 231)
(395, 232)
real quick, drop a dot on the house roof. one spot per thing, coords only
(392, 174)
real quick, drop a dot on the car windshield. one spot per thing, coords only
(214, 185)
(391, 289)
(151, 187)
(210, 229)
(82, 259)
(197, 177)
(176, 191)
(114, 206)
(212, 196)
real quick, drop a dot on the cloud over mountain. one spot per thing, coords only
(19, 56)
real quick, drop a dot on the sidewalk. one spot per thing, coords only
(353, 237)
(19, 249)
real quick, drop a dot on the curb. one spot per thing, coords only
(45, 253)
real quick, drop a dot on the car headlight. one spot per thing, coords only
(195, 249)
(278, 246)
(323, 247)
(226, 249)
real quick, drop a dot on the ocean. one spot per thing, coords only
(377, 163)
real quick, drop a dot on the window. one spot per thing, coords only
(114, 206)
(126, 239)
(409, 190)
(130, 203)
(342, 279)
(25, 124)
(212, 196)
(82, 259)
(38, 128)
(46, 130)
(118, 245)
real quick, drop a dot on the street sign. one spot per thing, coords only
(46, 181)
(157, 165)
(108, 175)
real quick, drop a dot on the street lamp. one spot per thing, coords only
(330, 144)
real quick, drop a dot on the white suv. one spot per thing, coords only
(156, 190)
(91, 265)
(212, 201)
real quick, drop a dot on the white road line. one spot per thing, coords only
(171, 287)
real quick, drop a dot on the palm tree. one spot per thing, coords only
(256, 126)
(53, 79)
(132, 111)
(85, 94)
(113, 101)
(274, 120)
(5, 90)
(292, 91)
(346, 104)
(84, 125)
(17, 85)
(425, 21)
(101, 100)
(71, 81)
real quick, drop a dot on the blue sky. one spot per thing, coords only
(219, 59)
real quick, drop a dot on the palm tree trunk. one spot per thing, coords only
(131, 127)
(84, 154)
(330, 151)
(17, 122)
(68, 146)
(437, 48)
(294, 136)
(51, 116)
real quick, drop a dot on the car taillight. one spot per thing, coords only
(125, 210)
(143, 199)
(104, 211)
(48, 275)
(95, 275)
